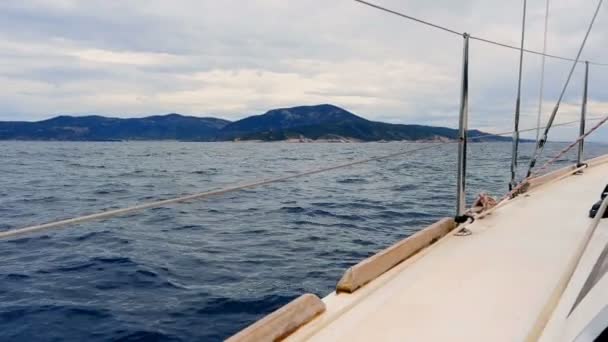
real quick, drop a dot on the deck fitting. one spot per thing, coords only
(463, 232)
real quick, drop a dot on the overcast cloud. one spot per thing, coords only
(234, 58)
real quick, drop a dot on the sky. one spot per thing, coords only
(234, 58)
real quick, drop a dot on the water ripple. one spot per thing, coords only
(202, 270)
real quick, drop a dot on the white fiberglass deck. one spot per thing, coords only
(499, 284)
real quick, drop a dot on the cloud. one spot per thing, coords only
(236, 58)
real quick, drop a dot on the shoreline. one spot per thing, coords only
(287, 141)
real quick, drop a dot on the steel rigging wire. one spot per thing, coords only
(541, 143)
(513, 182)
(541, 91)
(460, 33)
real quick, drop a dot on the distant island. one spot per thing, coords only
(300, 124)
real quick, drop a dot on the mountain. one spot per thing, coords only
(285, 118)
(96, 128)
(333, 123)
(321, 122)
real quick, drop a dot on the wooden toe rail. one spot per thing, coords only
(279, 324)
(374, 266)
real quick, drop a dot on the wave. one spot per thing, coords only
(85, 166)
(405, 187)
(353, 181)
(227, 305)
(293, 210)
(16, 276)
(68, 311)
(145, 335)
(319, 212)
(211, 171)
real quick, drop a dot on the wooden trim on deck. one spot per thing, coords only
(282, 322)
(374, 266)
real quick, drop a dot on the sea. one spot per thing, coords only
(203, 270)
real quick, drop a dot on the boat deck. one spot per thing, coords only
(499, 284)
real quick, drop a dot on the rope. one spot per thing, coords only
(122, 211)
(541, 143)
(460, 33)
(512, 183)
(542, 72)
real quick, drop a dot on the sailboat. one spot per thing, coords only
(531, 266)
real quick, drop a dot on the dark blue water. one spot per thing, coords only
(202, 271)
